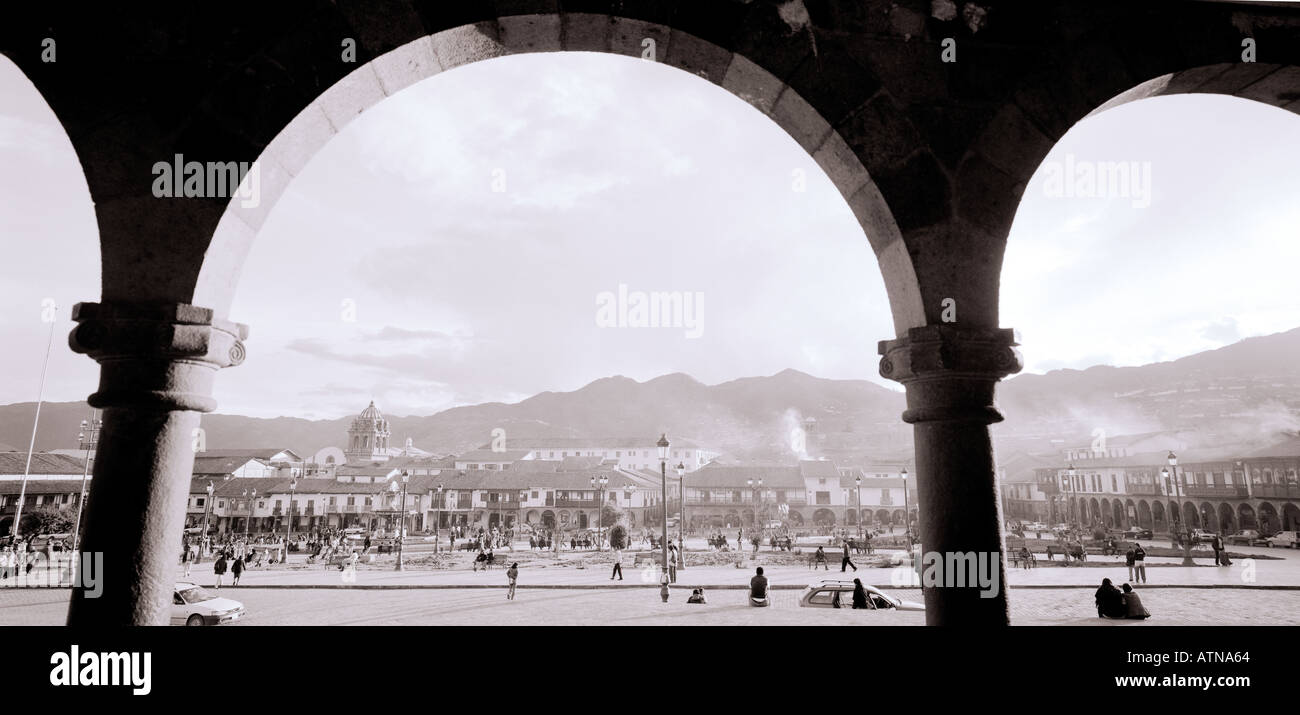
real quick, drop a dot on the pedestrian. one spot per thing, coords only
(1130, 560)
(672, 562)
(1025, 558)
(820, 558)
(846, 561)
(220, 567)
(236, 569)
(1139, 564)
(186, 560)
(618, 565)
(859, 594)
(513, 574)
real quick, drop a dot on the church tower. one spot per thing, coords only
(368, 436)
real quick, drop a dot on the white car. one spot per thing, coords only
(1284, 538)
(193, 606)
(821, 594)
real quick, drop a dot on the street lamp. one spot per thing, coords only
(681, 524)
(1074, 496)
(762, 502)
(858, 479)
(88, 438)
(249, 523)
(753, 498)
(207, 508)
(1178, 508)
(662, 444)
(288, 519)
(401, 515)
(600, 509)
(437, 519)
(907, 511)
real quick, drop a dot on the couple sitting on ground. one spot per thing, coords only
(1114, 603)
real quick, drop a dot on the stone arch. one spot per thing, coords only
(824, 517)
(882, 516)
(1227, 519)
(396, 66)
(1097, 513)
(1144, 514)
(1191, 517)
(1267, 517)
(1209, 517)
(1118, 515)
(900, 517)
(1246, 516)
(1159, 522)
(1290, 517)
(851, 517)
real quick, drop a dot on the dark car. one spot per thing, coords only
(1134, 532)
(1247, 537)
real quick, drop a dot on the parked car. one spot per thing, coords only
(1285, 538)
(1134, 532)
(1247, 537)
(821, 594)
(193, 606)
(1036, 526)
(1201, 536)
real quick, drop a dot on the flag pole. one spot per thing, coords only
(31, 446)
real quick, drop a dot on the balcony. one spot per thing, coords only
(1277, 491)
(577, 503)
(1216, 490)
(1143, 489)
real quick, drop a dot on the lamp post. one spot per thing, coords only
(437, 519)
(858, 479)
(907, 510)
(249, 523)
(753, 498)
(662, 444)
(681, 523)
(1073, 507)
(600, 509)
(1178, 509)
(88, 437)
(288, 519)
(207, 509)
(401, 515)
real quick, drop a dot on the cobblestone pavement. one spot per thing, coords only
(642, 606)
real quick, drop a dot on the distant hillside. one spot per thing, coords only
(1243, 393)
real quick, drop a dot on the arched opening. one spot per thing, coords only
(1246, 517)
(1268, 518)
(1227, 519)
(824, 518)
(1158, 521)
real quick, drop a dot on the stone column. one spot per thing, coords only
(157, 364)
(950, 374)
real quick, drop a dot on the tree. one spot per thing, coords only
(46, 520)
(618, 537)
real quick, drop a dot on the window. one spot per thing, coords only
(1114, 483)
(277, 503)
(620, 454)
(823, 497)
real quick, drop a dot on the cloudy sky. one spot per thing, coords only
(452, 244)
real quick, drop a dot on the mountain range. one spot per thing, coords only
(1244, 393)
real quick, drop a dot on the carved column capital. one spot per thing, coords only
(158, 356)
(950, 371)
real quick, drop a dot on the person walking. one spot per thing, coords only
(1139, 564)
(186, 559)
(236, 569)
(672, 561)
(846, 561)
(219, 568)
(512, 573)
(618, 565)
(859, 595)
(1130, 560)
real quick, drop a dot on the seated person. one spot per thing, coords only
(1133, 607)
(697, 596)
(1110, 601)
(758, 585)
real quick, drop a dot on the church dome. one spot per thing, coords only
(370, 413)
